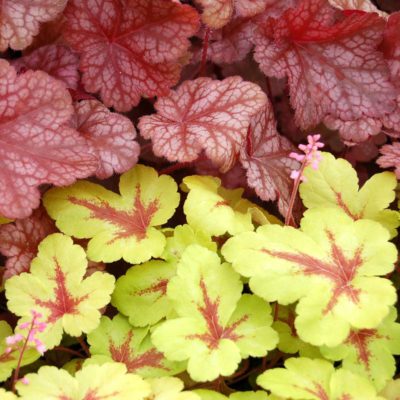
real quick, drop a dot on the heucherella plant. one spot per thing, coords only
(215, 324)
(118, 226)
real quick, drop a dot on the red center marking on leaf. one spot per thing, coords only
(160, 286)
(344, 207)
(64, 302)
(340, 270)
(319, 392)
(6, 357)
(359, 339)
(132, 223)
(92, 395)
(222, 203)
(151, 358)
(215, 330)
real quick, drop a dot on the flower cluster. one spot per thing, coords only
(312, 156)
(33, 328)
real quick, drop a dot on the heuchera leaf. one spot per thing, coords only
(119, 226)
(111, 135)
(129, 48)
(140, 294)
(55, 287)
(92, 382)
(36, 146)
(316, 380)
(183, 236)
(5, 395)
(9, 360)
(203, 114)
(323, 60)
(55, 59)
(266, 159)
(217, 13)
(335, 184)
(329, 264)
(19, 241)
(216, 325)
(362, 5)
(368, 352)
(167, 388)
(4, 220)
(392, 390)
(116, 340)
(206, 394)
(390, 157)
(20, 20)
(213, 209)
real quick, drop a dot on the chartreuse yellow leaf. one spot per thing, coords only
(330, 265)
(206, 394)
(118, 226)
(9, 360)
(92, 382)
(368, 352)
(55, 287)
(5, 395)
(215, 210)
(4, 220)
(168, 388)
(335, 184)
(316, 379)
(215, 325)
(140, 294)
(392, 390)
(116, 340)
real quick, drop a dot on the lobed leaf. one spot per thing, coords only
(36, 146)
(214, 325)
(330, 265)
(203, 115)
(170, 389)
(55, 287)
(129, 48)
(335, 185)
(390, 157)
(118, 226)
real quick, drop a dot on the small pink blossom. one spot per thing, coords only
(25, 380)
(312, 156)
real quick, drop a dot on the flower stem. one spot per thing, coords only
(289, 217)
(204, 51)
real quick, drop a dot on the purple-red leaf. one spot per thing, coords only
(390, 157)
(36, 146)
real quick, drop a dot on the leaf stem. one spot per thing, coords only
(204, 51)
(70, 351)
(289, 217)
(83, 345)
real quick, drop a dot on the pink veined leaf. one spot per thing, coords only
(266, 159)
(361, 5)
(57, 60)
(203, 114)
(19, 241)
(390, 157)
(391, 45)
(111, 135)
(332, 68)
(36, 145)
(20, 20)
(217, 13)
(129, 48)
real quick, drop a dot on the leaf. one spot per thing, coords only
(19, 241)
(55, 287)
(168, 388)
(116, 340)
(20, 20)
(266, 159)
(391, 46)
(203, 114)
(215, 325)
(330, 265)
(5, 395)
(392, 390)
(140, 294)
(390, 157)
(36, 146)
(316, 379)
(119, 226)
(335, 184)
(217, 13)
(55, 59)
(206, 394)
(111, 135)
(183, 236)
(362, 5)
(368, 352)
(92, 382)
(212, 209)
(4, 221)
(132, 50)
(9, 359)
(323, 65)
